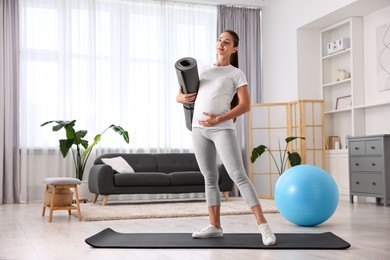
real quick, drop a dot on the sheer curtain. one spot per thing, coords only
(102, 62)
(9, 89)
(246, 22)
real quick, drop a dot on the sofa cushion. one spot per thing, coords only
(141, 179)
(175, 162)
(186, 178)
(140, 162)
(118, 164)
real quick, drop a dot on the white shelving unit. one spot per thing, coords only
(353, 119)
(346, 120)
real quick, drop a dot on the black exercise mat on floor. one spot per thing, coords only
(108, 238)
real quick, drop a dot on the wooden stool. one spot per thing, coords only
(62, 182)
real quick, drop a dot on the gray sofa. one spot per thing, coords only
(153, 174)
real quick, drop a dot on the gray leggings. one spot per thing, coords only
(209, 142)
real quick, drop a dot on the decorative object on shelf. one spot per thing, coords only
(342, 75)
(344, 102)
(334, 142)
(76, 138)
(334, 76)
(337, 145)
(383, 56)
(293, 157)
(338, 45)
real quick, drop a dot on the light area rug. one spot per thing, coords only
(165, 209)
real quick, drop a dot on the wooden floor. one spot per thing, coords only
(24, 234)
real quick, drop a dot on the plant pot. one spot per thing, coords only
(84, 194)
(63, 197)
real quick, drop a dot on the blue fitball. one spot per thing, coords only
(306, 195)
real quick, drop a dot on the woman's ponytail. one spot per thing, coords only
(234, 62)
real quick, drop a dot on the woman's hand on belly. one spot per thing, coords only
(210, 120)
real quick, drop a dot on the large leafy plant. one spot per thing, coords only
(83, 150)
(284, 155)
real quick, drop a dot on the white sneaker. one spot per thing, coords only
(269, 238)
(209, 231)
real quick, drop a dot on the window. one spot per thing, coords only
(105, 61)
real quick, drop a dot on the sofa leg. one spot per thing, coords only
(95, 198)
(105, 198)
(226, 195)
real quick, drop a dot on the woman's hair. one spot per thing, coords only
(234, 62)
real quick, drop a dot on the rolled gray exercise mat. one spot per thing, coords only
(187, 74)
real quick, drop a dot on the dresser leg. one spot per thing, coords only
(351, 199)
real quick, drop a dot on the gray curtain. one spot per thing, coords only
(246, 22)
(9, 84)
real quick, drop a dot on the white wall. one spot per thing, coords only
(281, 20)
(374, 116)
(371, 22)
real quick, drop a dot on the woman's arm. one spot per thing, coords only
(185, 98)
(242, 107)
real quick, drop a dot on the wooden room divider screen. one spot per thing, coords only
(271, 123)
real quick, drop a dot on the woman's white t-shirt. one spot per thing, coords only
(217, 86)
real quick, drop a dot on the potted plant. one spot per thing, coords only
(286, 156)
(80, 157)
(75, 138)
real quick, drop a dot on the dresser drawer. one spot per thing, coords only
(367, 164)
(367, 183)
(357, 148)
(374, 147)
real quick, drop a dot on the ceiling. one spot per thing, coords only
(357, 8)
(243, 3)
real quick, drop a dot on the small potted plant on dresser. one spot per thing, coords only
(81, 152)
